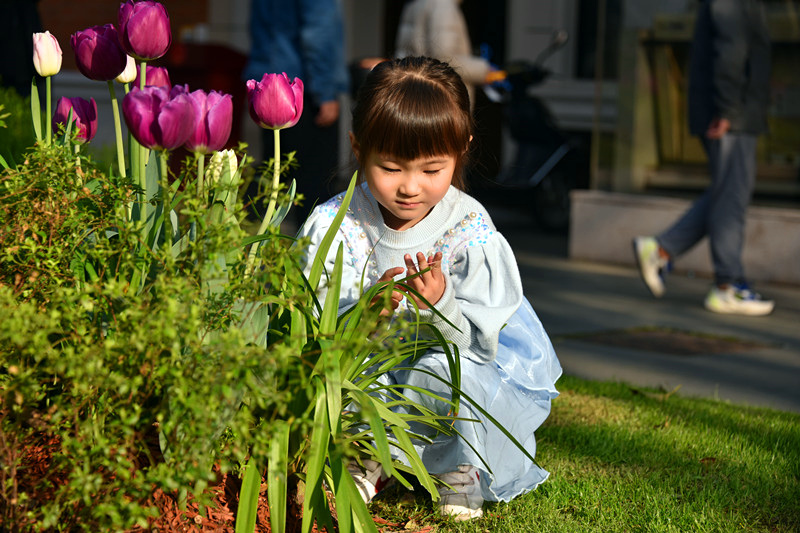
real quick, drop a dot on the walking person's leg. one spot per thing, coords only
(732, 161)
(653, 254)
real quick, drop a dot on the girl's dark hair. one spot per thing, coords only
(414, 107)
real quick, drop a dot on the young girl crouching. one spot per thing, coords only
(412, 128)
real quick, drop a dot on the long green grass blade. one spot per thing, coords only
(68, 127)
(277, 486)
(318, 263)
(330, 355)
(283, 209)
(248, 499)
(298, 334)
(381, 442)
(341, 495)
(404, 443)
(317, 453)
(330, 311)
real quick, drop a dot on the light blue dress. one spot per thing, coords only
(508, 365)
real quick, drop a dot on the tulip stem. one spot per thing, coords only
(165, 199)
(117, 128)
(201, 186)
(142, 74)
(144, 153)
(273, 198)
(49, 117)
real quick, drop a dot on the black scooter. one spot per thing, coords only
(546, 162)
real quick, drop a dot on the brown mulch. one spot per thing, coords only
(175, 516)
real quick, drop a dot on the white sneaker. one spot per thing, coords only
(737, 300)
(652, 265)
(370, 479)
(464, 500)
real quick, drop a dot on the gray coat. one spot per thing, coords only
(436, 28)
(730, 66)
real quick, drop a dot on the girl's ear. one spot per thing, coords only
(355, 146)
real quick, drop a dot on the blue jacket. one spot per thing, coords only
(304, 39)
(730, 66)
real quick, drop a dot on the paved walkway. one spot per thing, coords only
(752, 360)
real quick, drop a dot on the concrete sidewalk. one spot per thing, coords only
(744, 360)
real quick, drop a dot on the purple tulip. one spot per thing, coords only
(275, 102)
(84, 116)
(158, 118)
(154, 76)
(98, 53)
(144, 29)
(213, 118)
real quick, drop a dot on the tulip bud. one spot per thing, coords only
(84, 116)
(98, 53)
(130, 73)
(275, 102)
(213, 120)
(144, 29)
(46, 54)
(220, 161)
(159, 119)
(157, 76)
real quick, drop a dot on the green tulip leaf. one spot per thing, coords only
(248, 499)
(36, 110)
(317, 454)
(277, 486)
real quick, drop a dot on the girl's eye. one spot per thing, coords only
(390, 169)
(432, 172)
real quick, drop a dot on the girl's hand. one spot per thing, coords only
(397, 296)
(430, 284)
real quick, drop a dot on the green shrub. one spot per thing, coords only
(100, 373)
(134, 363)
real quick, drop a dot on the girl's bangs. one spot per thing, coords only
(422, 128)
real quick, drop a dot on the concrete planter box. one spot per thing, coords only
(603, 224)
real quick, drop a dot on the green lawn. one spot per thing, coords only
(625, 459)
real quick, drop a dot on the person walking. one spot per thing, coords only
(304, 39)
(728, 96)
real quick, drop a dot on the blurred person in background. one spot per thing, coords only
(304, 39)
(729, 74)
(438, 29)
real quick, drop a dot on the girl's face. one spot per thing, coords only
(407, 189)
